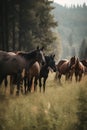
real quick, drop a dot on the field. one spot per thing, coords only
(61, 107)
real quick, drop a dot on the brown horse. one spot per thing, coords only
(33, 72)
(64, 67)
(79, 70)
(14, 64)
(38, 71)
(84, 62)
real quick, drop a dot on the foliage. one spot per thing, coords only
(72, 27)
(26, 24)
(83, 49)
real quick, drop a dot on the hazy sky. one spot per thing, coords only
(69, 2)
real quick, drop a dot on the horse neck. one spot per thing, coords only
(47, 61)
(77, 65)
(72, 61)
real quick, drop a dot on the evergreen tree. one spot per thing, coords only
(83, 49)
(25, 24)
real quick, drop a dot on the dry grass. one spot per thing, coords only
(57, 109)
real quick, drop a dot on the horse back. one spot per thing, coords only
(60, 63)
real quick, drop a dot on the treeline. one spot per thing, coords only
(77, 6)
(83, 49)
(72, 28)
(25, 24)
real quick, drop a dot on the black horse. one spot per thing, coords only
(49, 65)
(14, 64)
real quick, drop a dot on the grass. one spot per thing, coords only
(61, 107)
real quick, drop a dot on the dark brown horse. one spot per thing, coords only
(14, 64)
(79, 70)
(33, 72)
(64, 67)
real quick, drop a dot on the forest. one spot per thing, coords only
(25, 24)
(72, 28)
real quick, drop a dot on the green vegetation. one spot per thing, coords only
(71, 27)
(62, 107)
(83, 49)
(25, 24)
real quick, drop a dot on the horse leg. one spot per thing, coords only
(29, 84)
(2, 78)
(13, 81)
(31, 81)
(40, 84)
(11, 92)
(59, 77)
(44, 83)
(6, 83)
(35, 84)
(21, 85)
(18, 82)
(25, 83)
(80, 77)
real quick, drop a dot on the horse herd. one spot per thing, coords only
(71, 67)
(26, 68)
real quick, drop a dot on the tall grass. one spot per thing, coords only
(59, 108)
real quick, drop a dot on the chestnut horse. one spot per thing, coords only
(84, 62)
(14, 64)
(79, 70)
(64, 67)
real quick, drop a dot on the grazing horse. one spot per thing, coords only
(79, 70)
(65, 67)
(14, 64)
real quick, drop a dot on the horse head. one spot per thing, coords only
(72, 61)
(40, 55)
(51, 62)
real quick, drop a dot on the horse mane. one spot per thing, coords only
(27, 55)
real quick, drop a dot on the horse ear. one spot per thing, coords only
(53, 55)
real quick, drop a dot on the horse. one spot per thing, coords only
(84, 62)
(37, 71)
(33, 72)
(64, 67)
(14, 64)
(79, 70)
(49, 65)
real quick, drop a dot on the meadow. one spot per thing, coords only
(61, 107)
